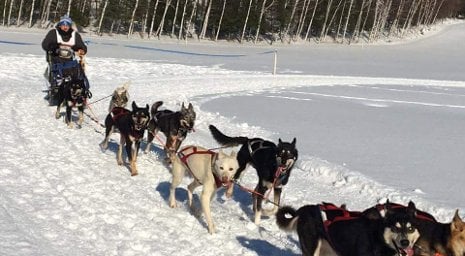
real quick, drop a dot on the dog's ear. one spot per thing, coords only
(280, 141)
(293, 142)
(233, 154)
(220, 154)
(134, 106)
(126, 86)
(457, 223)
(182, 106)
(190, 107)
(147, 107)
(411, 209)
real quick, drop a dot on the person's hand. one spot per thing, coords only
(81, 52)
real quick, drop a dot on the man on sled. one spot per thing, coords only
(62, 44)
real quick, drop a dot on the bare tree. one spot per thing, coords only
(205, 20)
(181, 26)
(9, 12)
(437, 11)
(323, 29)
(245, 22)
(174, 18)
(18, 21)
(146, 17)
(303, 19)
(356, 31)
(70, 2)
(338, 35)
(291, 18)
(153, 18)
(309, 28)
(45, 12)
(32, 13)
(194, 9)
(347, 19)
(221, 19)
(102, 16)
(4, 12)
(262, 11)
(395, 23)
(131, 24)
(162, 22)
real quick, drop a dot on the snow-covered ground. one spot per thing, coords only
(371, 122)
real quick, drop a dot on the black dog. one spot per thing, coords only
(174, 125)
(325, 228)
(272, 162)
(131, 125)
(71, 94)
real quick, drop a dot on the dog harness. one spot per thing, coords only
(118, 112)
(183, 157)
(331, 213)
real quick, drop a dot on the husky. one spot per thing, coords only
(174, 125)
(208, 169)
(441, 239)
(272, 162)
(328, 230)
(120, 97)
(131, 126)
(72, 94)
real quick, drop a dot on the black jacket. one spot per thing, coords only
(50, 42)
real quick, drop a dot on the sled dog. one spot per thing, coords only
(72, 94)
(120, 97)
(441, 239)
(174, 125)
(324, 229)
(272, 162)
(208, 169)
(131, 126)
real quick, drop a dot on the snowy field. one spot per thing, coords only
(371, 121)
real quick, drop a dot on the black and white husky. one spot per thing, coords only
(272, 162)
(325, 229)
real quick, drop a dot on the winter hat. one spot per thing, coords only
(65, 20)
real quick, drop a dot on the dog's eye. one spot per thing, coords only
(221, 168)
(231, 169)
(410, 229)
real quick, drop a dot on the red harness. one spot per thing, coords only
(334, 213)
(118, 112)
(183, 157)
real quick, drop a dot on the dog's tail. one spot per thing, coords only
(155, 107)
(286, 218)
(226, 140)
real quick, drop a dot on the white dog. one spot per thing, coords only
(120, 97)
(208, 169)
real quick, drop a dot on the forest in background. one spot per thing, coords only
(342, 21)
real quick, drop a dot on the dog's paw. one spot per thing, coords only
(57, 115)
(120, 162)
(134, 173)
(70, 125)
(173, 204)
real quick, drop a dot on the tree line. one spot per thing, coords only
(343, 21)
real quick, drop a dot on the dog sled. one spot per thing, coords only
(62, 70)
